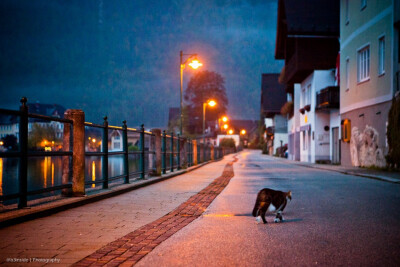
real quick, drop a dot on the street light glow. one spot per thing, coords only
(226, 126)
(195, 64)
(224, 118)
(230, 131)
(211, 103)
(243, 132)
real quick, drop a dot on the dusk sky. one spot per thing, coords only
(121, 58)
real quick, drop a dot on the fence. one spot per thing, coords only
(141, 154)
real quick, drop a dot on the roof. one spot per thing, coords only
(52, 110)
(273, 95)
(306, 18)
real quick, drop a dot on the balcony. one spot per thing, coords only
(307, 55)
(328, 98)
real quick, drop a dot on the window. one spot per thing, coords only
(303, 97)
(363, 4)
(347, 11)
(381, 65)
(347, 74)
(308, 95)
(363, 64)
(346, 130)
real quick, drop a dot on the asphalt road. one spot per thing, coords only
(333, 219)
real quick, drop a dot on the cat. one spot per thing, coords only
(268, 199)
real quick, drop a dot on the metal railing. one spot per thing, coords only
(24, 154)
(175, 153)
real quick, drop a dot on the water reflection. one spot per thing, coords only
(1, 176)
(93, 173)
(46, 172)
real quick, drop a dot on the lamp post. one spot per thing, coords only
(211, 103)
(194, 64)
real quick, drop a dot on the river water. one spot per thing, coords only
(46, 172)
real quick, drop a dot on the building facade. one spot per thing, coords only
(369, 71)
(308, 41)
(273, 97)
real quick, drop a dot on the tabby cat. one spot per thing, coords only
(268, 199)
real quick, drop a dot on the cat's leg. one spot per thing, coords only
(256, 210)
(279, 217)
(264, 209)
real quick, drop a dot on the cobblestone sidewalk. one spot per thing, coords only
(129, 249)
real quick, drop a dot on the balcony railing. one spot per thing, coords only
(328, 98)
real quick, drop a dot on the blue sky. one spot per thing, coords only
(121, 58)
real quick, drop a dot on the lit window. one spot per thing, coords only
(363, 64)
(347, 74)
(346, 130)
(381, 65)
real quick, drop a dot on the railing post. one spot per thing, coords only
(190, 156)
(23, 161)
(171, 157)
(178, 150)
(104, 149)
(78, 151)
(158, 151)
(142, 169)
(194, 152)
(202, 152)
(126, 152)
(164, 153)
(212, 153)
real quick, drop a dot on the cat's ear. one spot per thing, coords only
(289, 195)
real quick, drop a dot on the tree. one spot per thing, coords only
(203, 86)
(40, 134)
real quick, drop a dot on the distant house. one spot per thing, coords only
(273, 97)
(174, 119)
(369, 77)
(308, 41)
(9, 125)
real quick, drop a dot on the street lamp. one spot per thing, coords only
(243, 132)
(230, 131)
(195, 64)
(224, 119)
(211, 103)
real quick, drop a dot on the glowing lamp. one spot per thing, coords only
(211, 103)
(195, 64)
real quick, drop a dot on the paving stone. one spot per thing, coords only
(152, 234)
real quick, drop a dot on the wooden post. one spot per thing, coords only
(157, 149)
(78, 152)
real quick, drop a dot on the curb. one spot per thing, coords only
(23, 215)
(375, 177)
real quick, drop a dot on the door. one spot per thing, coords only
(335, 146)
